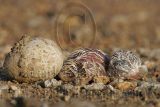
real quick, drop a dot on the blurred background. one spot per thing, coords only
(102, 24)
(116, 24)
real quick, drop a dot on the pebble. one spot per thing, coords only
(123, 86)
(148, 85)
(67, 98)
(67, 87)
(111, 88)
(4, 90)
(150, 64)
(17, 91)
(52, 83)
(95, 86)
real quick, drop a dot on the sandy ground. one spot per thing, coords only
(133, 25)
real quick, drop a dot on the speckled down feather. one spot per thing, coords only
(85, 65)
(124, 64)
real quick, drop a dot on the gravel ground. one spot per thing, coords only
(132, 25)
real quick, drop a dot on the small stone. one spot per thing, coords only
(4, 90)
(52, 83)
(67, 87)
(156, 72)
(101, 79)
(17, 91)
(95, 86)
(111, 88)
(143, 71)
(150, 64)
(148, 85)
(47, 83)
(67, 98)
(55, 82)
(123, 86)
(13, 87)
(76, 90)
